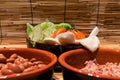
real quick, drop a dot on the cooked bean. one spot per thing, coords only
(21, 67)
(5, 66)
(14, 56)
(1, 65)
(26, 65)
(33, 59)
(2, 58)
(30, 63)
(14, 67)
(20, 60)
(6, 71)
(10, 60)
(38, 62)
(41, 65)
(30, 68)
(17, 64)
(0, 73)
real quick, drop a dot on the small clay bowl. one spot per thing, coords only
(74, 60)
(44, 73)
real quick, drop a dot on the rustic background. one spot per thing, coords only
(82, 14)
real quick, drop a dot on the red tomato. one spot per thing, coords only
(60, 30)
(78, 34)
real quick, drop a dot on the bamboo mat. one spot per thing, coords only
(82, 14)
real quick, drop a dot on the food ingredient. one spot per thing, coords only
(51, 41)
(62, 34)
(58, 31)
(66, 38)
(78, 35)
(16, 64)
(107, 69)
(46, 29)
(63, 25)
(40, 31)
(91, 42)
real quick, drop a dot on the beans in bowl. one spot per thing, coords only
(17, 64)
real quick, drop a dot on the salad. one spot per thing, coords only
(62, 34)
(48, 30)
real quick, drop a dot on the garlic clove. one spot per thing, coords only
(94, 32)
(91, 43)
(51, 41)
(66, 38)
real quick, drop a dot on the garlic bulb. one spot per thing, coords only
(66, 38)
(51, 41)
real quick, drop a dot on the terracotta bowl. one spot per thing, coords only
(55, 49)
(44, 73)
(74, 60)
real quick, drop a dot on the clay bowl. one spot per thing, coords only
(55, 49)
(74, 60)
(44, 73)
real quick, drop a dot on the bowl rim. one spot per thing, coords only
(61, 60)
(52, 56)
(39, 43)
(59, 45)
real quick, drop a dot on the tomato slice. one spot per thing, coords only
(78, 34)
(60, 30)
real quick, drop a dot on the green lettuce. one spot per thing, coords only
(40, 31)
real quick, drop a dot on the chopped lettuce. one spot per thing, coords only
(63, 25)
(40, 31)
(36, 34)
(49, 31)
(46, 25)
(29, 28)
(45, 29)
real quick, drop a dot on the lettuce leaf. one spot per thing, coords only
(63, 25)
(29, 28)
(41, 31)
